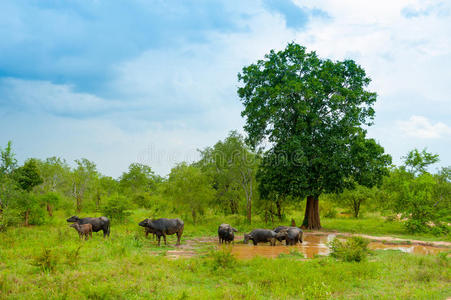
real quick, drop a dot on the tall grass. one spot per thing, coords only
(50, 262)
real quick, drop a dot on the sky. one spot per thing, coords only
(123, 81)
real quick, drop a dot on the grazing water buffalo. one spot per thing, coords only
(226, 233)
(102, 223)
(291, 235)
(163, 227)
(83, 230)
(261, 236)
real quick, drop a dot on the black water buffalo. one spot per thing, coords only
(101, 223)
(261, 236)
(280, 228)
(226, 233)
(163, 227)
(291, 235)
(148, 230)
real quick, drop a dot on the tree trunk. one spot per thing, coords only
(279, 210)
(356, 208)
(78, 204)
(49, 209)
(249, 211)
(311, 217)
(27, 217)
(193, 213)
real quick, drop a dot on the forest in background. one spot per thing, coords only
(223, 182)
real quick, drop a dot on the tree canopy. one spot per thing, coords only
(311, 112)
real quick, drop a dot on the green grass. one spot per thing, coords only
(49, 262)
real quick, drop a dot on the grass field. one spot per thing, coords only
(49, 262)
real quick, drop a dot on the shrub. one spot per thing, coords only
(327, 208)
(353, 249)
(223, 259)
(47, 261)
(73, 256)
(142, 200)
(440, 229)
(116, 208)
(9, 217)
(415, 226)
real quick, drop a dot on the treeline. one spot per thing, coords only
(305, 140)
(224, 181)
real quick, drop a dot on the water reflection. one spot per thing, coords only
(317, 245)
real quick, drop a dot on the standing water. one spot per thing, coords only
(317, 245)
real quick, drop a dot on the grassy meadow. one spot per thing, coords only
(50, 262)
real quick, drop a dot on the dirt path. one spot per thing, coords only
(386, 239)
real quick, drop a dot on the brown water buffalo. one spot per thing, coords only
(101, 223)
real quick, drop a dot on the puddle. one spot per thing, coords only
(415, 249)
(313, 245)
(317, 245)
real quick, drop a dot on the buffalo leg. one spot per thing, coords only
(164, 237)
(159, 237)
(179, 235)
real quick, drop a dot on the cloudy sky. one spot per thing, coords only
(151, 81)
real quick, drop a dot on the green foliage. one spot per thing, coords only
(117, 208)
(190, 189)
(417, 162)
(223, 259)
(8, 161)
(84, 180)
(326, 208)
(420, 199)
(311, 111)
(142, 200)
(9, 217)
(139, 178)
(352, 249)
(28, 175)
(355, 198)
(231, 165)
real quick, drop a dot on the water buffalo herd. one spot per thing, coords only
(163, 227)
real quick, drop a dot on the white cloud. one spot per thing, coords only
(36, 95)
(421, 127)
(170, 101)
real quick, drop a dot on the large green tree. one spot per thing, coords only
(309, 112)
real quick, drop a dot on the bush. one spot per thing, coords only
(353, 249)
(327, 209)
(223, 259)
(440, 229)
(47, 261)
(142, 200)
(9, 217)
(116, 208)
(415, 226)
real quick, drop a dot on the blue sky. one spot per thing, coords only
(152, 81)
